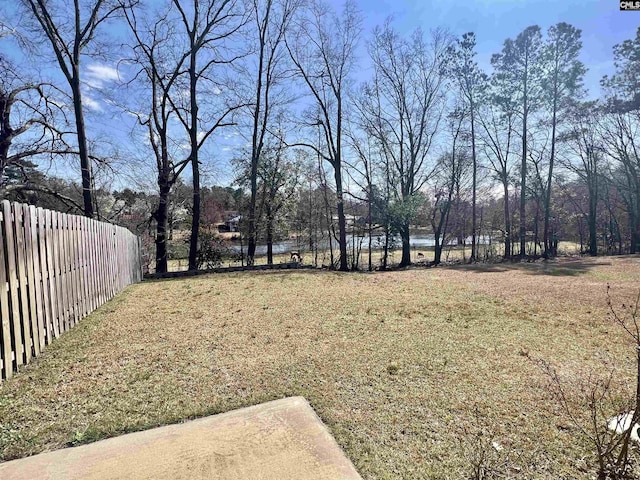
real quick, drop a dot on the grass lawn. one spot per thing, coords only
(407, 368)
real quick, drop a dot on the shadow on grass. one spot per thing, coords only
(556, 268)
(559, 267)
(273, 272)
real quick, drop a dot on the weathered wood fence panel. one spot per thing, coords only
(54, 270)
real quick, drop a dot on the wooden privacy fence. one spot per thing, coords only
(55, 269)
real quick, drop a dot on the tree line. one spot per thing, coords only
(325, 149)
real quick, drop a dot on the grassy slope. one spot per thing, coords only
(394, 363)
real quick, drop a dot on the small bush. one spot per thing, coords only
(212, 250)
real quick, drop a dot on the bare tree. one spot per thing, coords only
(33, 125)
(406, 102)
(448, 175)
(322, 47)
(70, 30)
(271, 19)
(585, 159)
(279, 176)
(27, 120)
(622, 128)
(620, 131)
(152, 46)
(178, 68)
(361, 171)
(208, 27)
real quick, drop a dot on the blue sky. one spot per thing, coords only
(601, 21)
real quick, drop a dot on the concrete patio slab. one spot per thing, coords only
(278, 440)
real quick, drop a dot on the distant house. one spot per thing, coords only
(349, 220)
(231, 224)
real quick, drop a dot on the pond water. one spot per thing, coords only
(416, 241)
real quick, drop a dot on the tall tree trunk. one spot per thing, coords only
(406, 245)
(311, 221)
(195, 219)
(385, 257)
(507, 220)
(342, 229)
(536, 223)
(195, 166)
(256, 147)
(474, 185)
(161, 217)
(269, 235)
(370, 229)
(523, 179)
(634, 226)
(547, 200)
(593, 220)
(251, 241)
(6, 135)
(328, 215)
(440, 231)
(438, 250)
(342, 224)
(85, 161)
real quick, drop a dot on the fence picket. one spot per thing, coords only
(5, 326)
(44, 272)
(93, 267)
(25, 323)
(73, 261)
(83, 263)
(31, 281)
(37, 277)
(58, 249)
(52, 263)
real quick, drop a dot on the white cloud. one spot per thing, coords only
(91, 103)
(230, 135)
(97, 75)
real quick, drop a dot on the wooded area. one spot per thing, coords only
(55, 269)
(338, 157)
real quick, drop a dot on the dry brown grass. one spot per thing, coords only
(395, 363)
